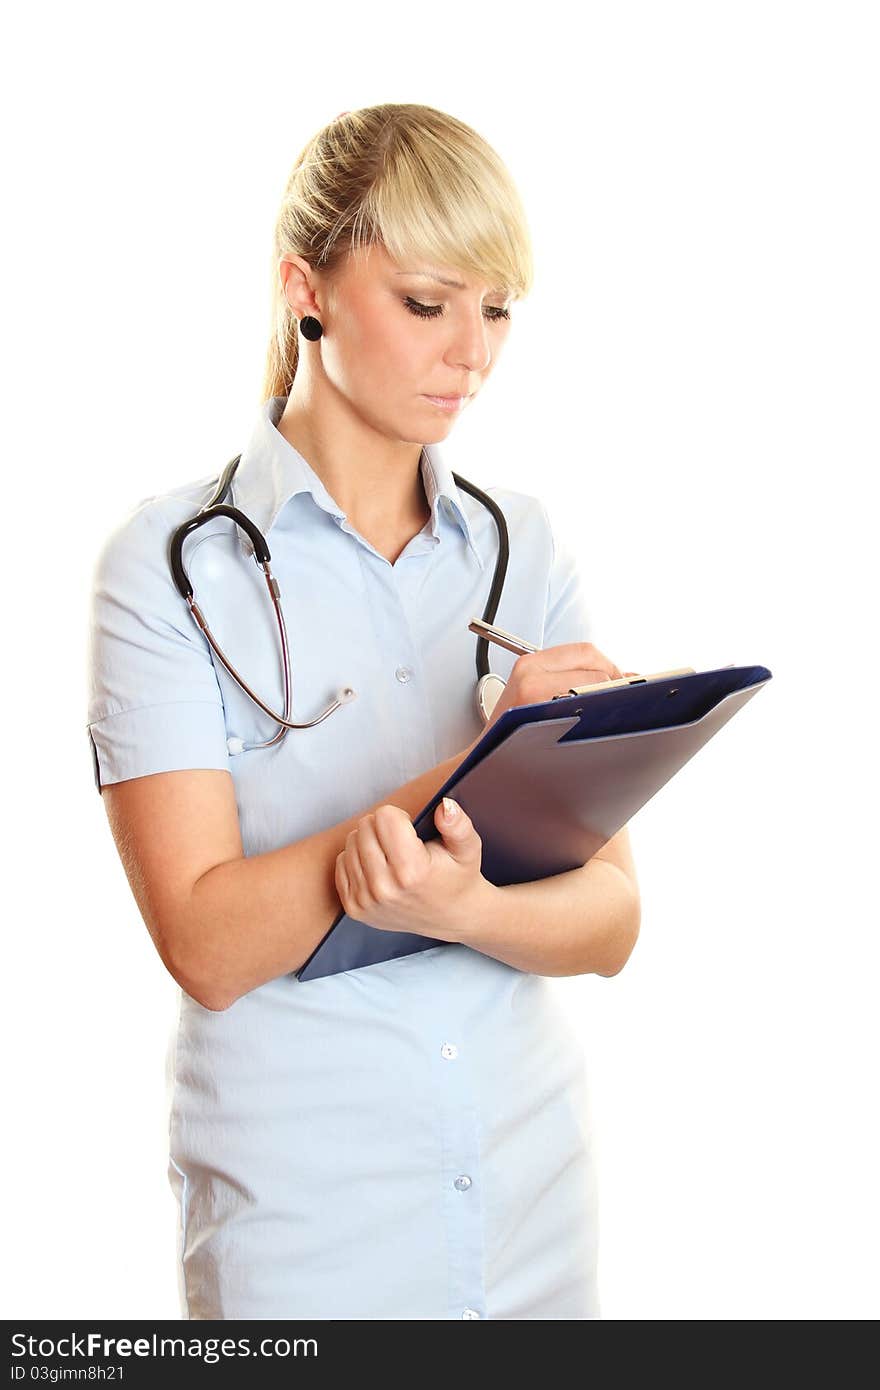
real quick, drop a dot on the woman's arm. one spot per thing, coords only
(575, 923)
(224, 923)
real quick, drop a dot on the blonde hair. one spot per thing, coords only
(422, 184)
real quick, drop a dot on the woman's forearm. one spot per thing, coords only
(575, 923)
(254, 918)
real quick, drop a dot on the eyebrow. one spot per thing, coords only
(442, 280)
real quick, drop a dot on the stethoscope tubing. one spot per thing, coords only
(216, 506)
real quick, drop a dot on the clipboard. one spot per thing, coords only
(550, 783)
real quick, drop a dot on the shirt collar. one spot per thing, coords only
(271, 471)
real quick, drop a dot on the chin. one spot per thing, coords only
(435, 434)
(427, 425)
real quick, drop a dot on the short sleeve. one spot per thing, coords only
(154, 703)
(567, 617)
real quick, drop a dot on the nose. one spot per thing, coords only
(470, 347)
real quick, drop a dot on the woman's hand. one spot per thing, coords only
(389, 878)
(538, 676)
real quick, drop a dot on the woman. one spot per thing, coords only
(410, 1139)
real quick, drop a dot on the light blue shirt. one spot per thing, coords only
(410, 1140)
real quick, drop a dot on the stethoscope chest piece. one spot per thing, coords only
(489, 688)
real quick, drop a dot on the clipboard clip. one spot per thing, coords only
(625, 680)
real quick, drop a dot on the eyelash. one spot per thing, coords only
(433, 311)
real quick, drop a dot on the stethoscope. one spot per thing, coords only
(489, 686)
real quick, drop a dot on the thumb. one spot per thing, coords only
(459, 836)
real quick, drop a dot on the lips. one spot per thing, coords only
(448, 403)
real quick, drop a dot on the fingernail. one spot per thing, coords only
(450, 810)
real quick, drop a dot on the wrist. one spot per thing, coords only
(480, 913)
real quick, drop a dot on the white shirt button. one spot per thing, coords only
(449, 1050)
(470, 1313)
(462, 1182)
(403, 674)
(235, 745)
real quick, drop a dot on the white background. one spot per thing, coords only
(692, 390)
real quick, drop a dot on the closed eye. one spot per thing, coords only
(493, 312)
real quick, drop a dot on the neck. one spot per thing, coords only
(376, 481)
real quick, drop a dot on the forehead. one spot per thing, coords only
(375, 260)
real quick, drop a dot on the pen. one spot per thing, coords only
(504, 639)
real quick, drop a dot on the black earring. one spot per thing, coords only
(310, 328)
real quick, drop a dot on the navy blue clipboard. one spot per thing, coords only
(550, 783)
